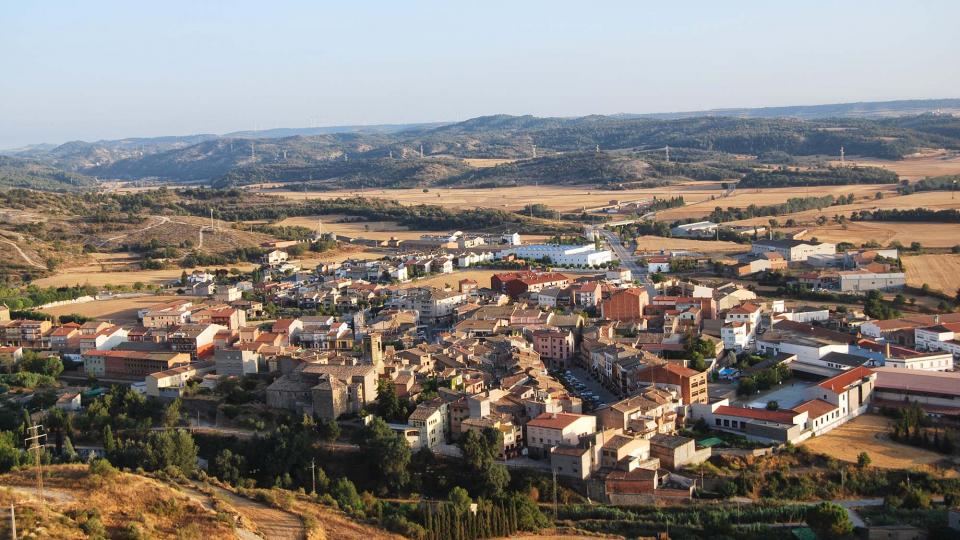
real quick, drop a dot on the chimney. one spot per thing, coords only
(886, 350)
(936, 319)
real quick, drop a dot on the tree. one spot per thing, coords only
(863, 460)
(171, 414)
(389, 454)
(772, 405)
(329, 430)
(345, 493)
(69, 453)
(829, 520)
(460, 500)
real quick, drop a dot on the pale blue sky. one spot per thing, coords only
(98, 69)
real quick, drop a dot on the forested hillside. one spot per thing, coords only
(542, 150)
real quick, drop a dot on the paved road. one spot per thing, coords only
(628, 260)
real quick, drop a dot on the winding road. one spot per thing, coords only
(25, 257)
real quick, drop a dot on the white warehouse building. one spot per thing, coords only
(587, 255)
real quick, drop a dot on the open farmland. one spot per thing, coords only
(121, 310)
(940, 272)
(92, 276)
(482, 277)
(915, 168)
(869, 433)
(650, 243)
(939, 235)
(375, 230)
(743, 198)
(561, 198)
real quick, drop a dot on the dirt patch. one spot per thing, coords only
(119, 310)
(650, 243)
(941, 272)
(869, 433)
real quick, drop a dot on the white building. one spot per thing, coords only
(700, 228)
(793, 250)
(735, 336)
(553, 429)
(586, 255)
(862, 280)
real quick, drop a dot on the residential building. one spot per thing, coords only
(115, 364)
(235, 363)
(692, 383)
(555, 346)
(552, 429)
(194, 339)
(625, 305)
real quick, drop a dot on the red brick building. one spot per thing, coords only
(625, 305)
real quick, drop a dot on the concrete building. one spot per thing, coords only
(235, 363)
(937, 392)
(793, 250)
(700, 228)
(863, 280)
(171, 382)
(432, 421)
(586, 255)
(130, 364)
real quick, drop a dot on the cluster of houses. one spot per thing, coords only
(475, 357)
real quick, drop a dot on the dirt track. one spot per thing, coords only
(271, 522)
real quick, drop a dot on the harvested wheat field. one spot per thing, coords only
(483, 163)
(929, 234)
(649, 243)
(91, 275)
(934, 200)
(122, 310)
(869, 433)
(563, 198)
(743, 198)
(914, 168)
(940, 272)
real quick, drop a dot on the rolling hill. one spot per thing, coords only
(390, 155)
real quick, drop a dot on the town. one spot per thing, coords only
(618, 374)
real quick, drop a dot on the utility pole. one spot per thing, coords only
(668, 153)
(33, 439)
(13, 522)
(841, 156)
(313, 474)
(421, 151)
(554, 494)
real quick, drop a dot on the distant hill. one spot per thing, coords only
(863, 109)
(16, 172)
(390, 155)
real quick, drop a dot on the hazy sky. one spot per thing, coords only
(98, 69)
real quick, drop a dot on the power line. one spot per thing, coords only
(34, 436)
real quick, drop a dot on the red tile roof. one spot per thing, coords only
(554, 421)
(845, 379)
(816, 408)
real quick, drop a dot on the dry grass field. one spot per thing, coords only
(173, 230)
(941, 272)
(868, 433)
(483, 163)
(649, 243)
(482, 277)
(913, 168)
(93, 276)
(563, 198)
(743, 198)
(121, 310)
(939, 235)
(123, 500)
(376, 230)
